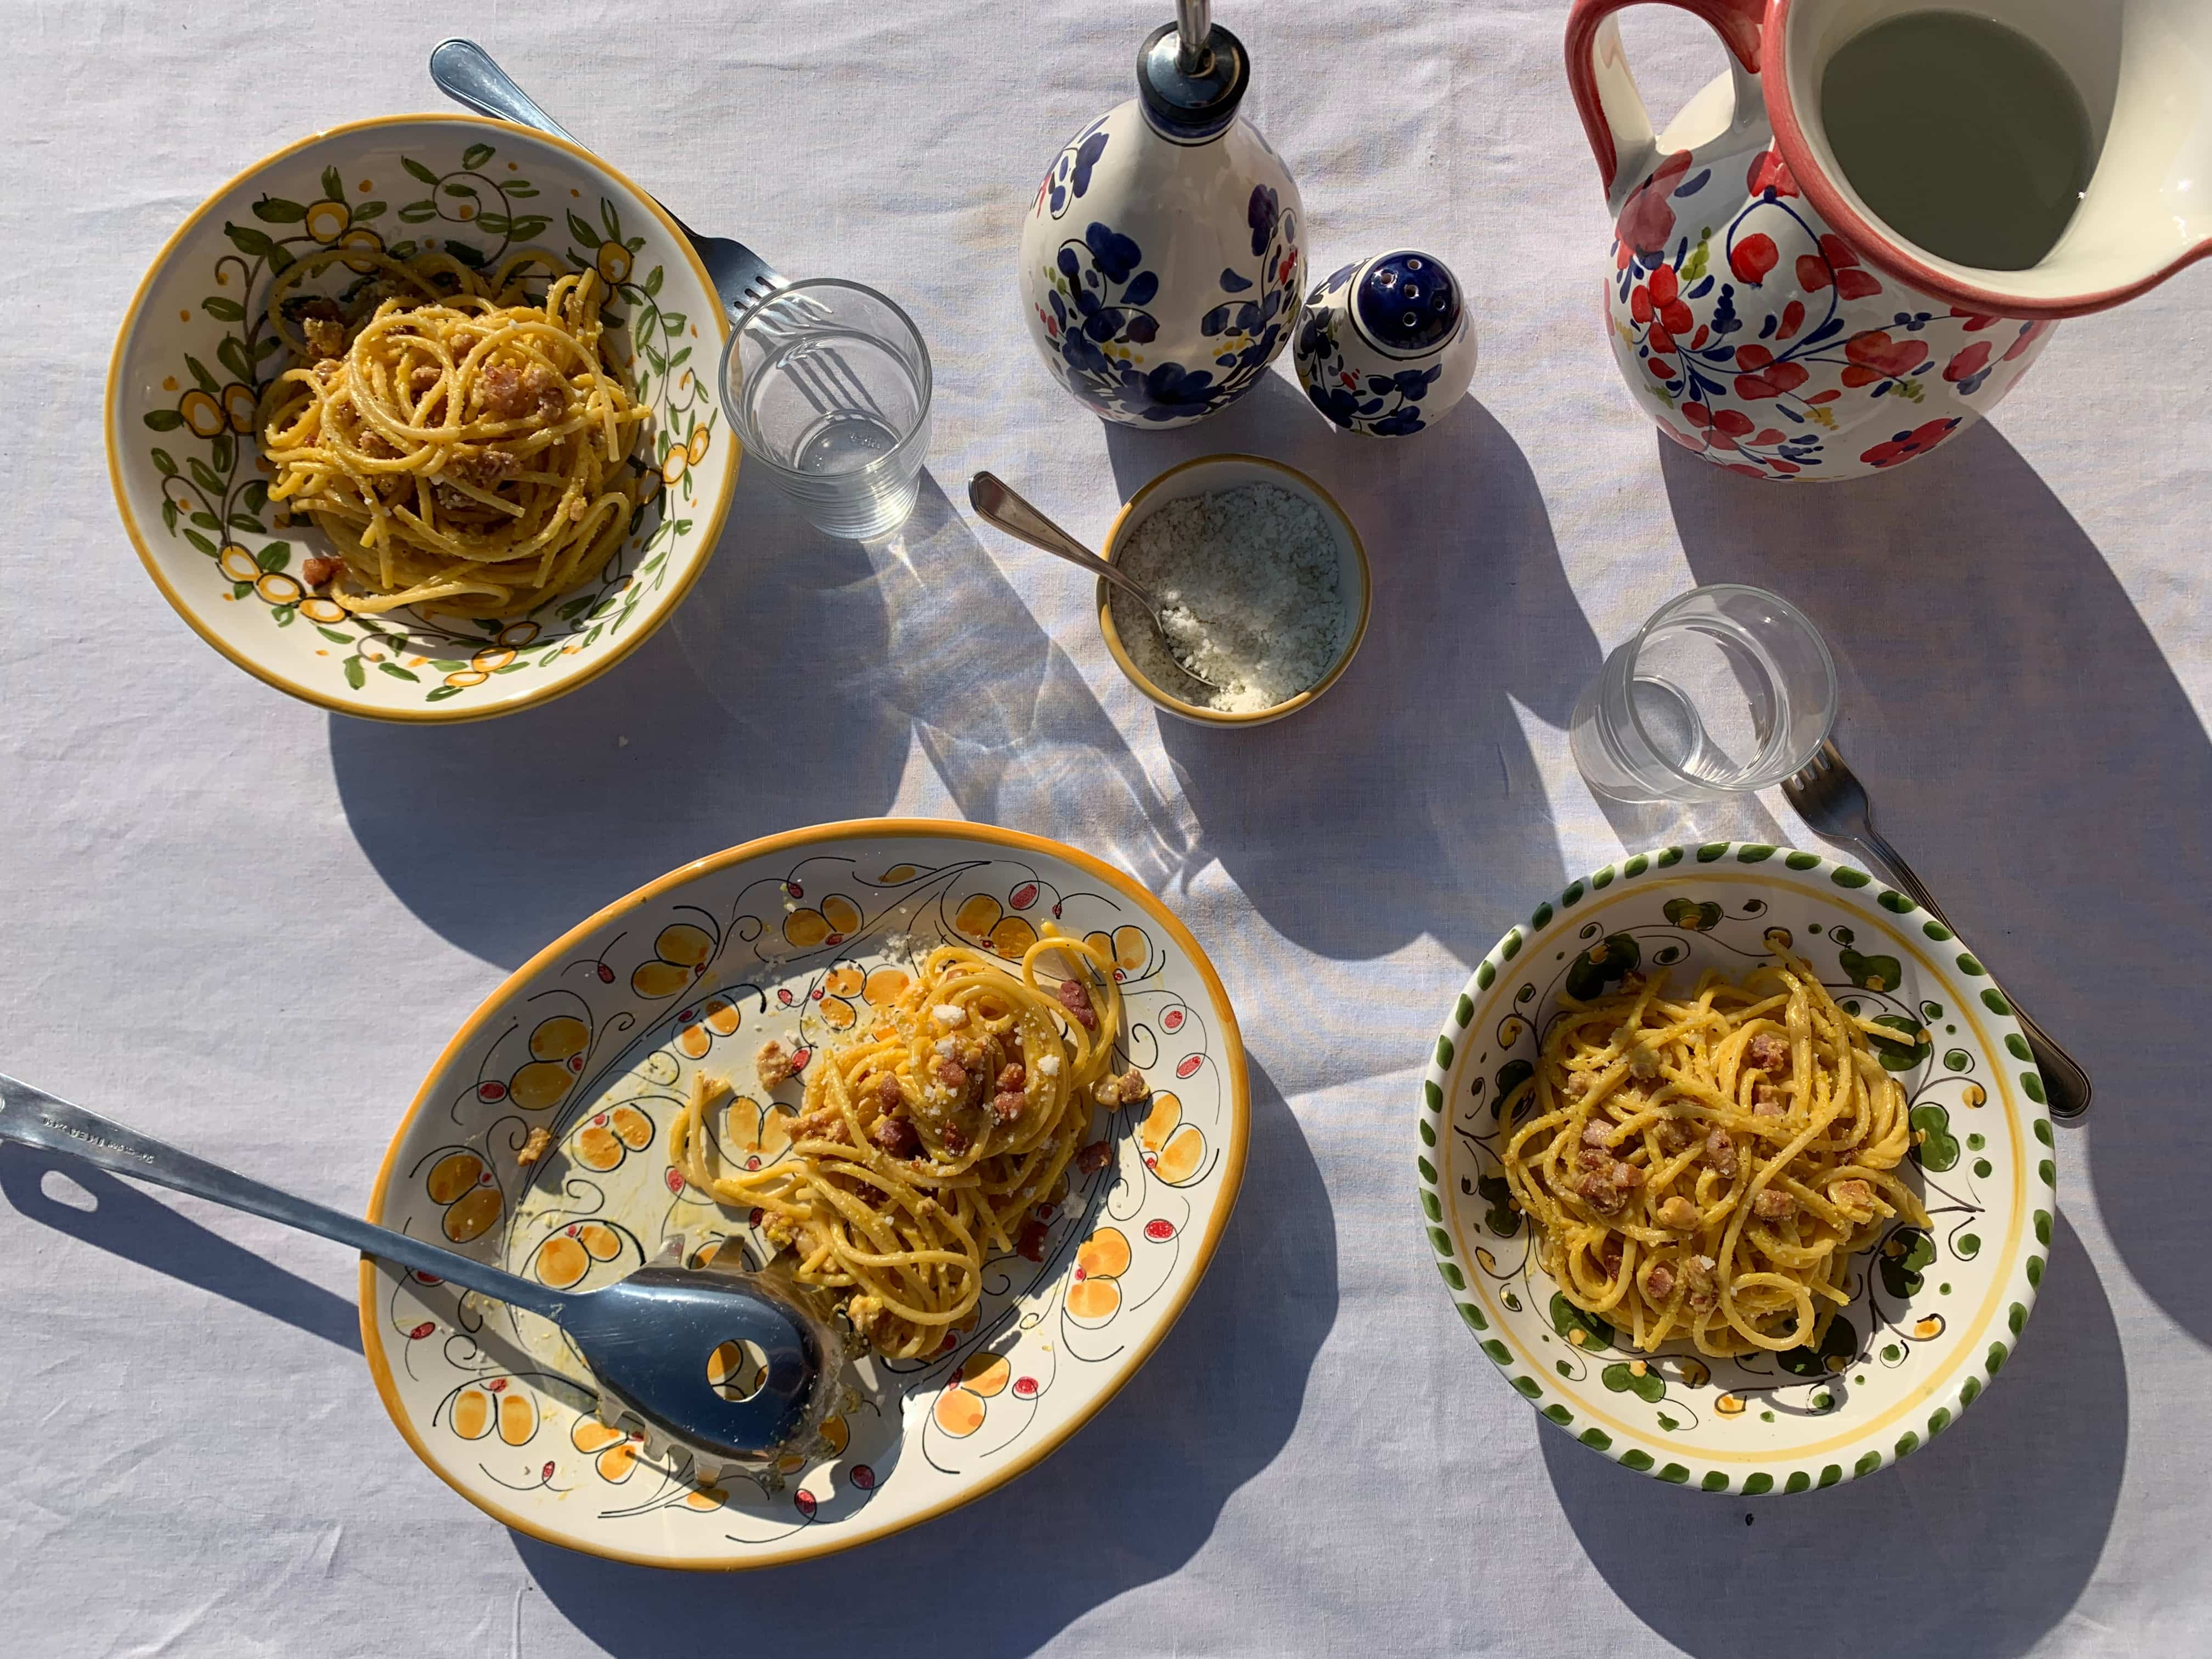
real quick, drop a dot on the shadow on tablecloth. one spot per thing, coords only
(1412, 777)
(2026, 745)
(1128, 1499)
(114, 1216)
(791, 688)
(1973, 1548)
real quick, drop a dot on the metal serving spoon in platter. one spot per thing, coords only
(658, 1342)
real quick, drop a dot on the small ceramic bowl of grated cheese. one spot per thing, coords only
(1261, 580)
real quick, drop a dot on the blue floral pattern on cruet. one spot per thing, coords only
(1162, 259)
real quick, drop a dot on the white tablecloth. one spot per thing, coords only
(248, 925)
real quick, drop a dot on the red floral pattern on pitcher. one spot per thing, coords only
(1906, 445)
(1647, 223)
(1766, 338)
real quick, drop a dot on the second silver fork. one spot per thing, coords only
(745, 282)
(1827, 795)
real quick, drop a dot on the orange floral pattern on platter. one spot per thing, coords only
(691, 989)
(462, 1184)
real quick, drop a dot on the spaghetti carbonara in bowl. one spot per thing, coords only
(405, 419)
(464, 440)
(1703, 1168)
(1736, 1163)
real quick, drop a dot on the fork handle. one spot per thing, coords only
(2064, 1083)
(32, 1117)
(465, 73)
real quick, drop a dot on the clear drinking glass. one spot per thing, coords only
(826, 387)
(1726, 690)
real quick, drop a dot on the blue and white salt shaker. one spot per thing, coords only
(1163, 258)
(1386, 347)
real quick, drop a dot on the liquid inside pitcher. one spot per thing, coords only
(1990, 172)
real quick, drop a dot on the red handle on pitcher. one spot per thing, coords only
(1605, 93)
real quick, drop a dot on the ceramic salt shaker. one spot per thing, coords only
(1162, 261)
(1386, 347)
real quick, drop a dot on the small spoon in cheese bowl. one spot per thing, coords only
(997, 501)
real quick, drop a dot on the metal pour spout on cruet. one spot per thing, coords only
(1193, 24)
(1182, 67)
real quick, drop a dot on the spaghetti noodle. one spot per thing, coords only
(462, 445)
(925, 1144)
(1706, 1168)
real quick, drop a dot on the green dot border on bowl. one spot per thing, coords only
(1969, 1381)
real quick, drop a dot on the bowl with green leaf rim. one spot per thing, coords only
(196, 350)
(1934, 1312)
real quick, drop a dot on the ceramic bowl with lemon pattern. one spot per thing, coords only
(197, 349)
(597, 1040)
(1934, 1311)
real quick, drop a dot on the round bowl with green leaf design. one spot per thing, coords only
(197, 349)
(1934, 1311)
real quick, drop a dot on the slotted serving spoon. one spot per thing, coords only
(648, 1339)
(993, 497)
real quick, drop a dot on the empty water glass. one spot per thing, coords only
(826, 387)
(1725, 690)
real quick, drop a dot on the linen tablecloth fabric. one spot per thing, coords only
(247, 926)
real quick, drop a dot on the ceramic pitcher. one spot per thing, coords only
(1771, 322)
(1162, 259)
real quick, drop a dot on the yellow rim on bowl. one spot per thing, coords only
(496, 1007)
(1132, 512)
(271, 674)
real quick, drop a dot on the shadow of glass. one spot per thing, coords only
(2026, 745)
(957, 667)
(1413, 777)
(1143, 1483)
(1976, 1545)
(129, 1223)
(787, 691)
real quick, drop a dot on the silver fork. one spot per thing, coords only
(465, 73)
(1828, 795)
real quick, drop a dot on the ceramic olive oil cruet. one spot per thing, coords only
(1163, 258)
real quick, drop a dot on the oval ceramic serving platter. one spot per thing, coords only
(1933, 1313)
(597, 1038)
(196, 350)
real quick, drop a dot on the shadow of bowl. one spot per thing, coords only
(1414, 780)
(1977, 1545)
(787, 691)
(1141, 1485)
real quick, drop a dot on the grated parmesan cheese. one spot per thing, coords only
(1247, 582)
